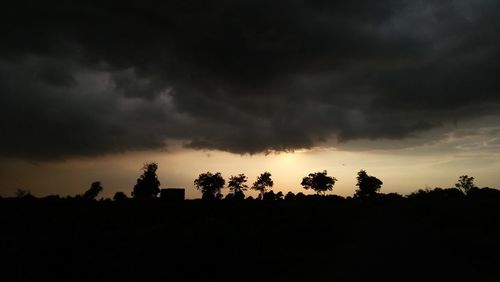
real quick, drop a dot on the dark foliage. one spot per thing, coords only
(300, 196)
(436, 194)
(263, 181)
(237, 185)
(290, 196)
(94, 190)
(120, 197)
(148, 185)
(269, 196)
(320, 182)
(465, 183)
(483, 193)
(210, 185)
(368, 185)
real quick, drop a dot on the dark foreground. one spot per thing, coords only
(403, 240)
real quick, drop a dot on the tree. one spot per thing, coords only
(290, 196)
(263, 181)
(368, 185)
(320, 182)
(120, 197)
(300, 196)
(269, 196)
(237, 185)
(21, 193)
(210, 185)
(148, 185)
(465, 183)
(94, 190)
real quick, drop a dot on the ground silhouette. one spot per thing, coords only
(440, 234)
(431, 235)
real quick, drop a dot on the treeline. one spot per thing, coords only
(211, 186)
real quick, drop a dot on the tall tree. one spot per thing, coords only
(148, 185)
(320, 182)
(368, 185)
(465, 183)
(237, 185)
(94, 190)
(263, 181)
(210, 185)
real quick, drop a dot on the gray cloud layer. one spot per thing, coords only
(93, 77)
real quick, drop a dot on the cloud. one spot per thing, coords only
(90, 78)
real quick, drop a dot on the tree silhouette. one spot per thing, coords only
(320, 182)
(210, 185)
(148, 185)
(94, 190)
(269, 196)
(120, 196)
(237, 185)
(21, 193)
(290, 196)
(465, 183)
(436, 194)
(368, 185)
(300, 196)
(263, 181)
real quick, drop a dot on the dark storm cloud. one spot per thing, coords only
(95, 77)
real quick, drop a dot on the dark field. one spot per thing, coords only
(310, 240)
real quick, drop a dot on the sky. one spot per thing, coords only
(92, 90)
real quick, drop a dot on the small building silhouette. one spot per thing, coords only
(172, 194)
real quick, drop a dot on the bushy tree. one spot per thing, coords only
(465, 183)
(263, 181)
(148, 185)
(94, 190)
(320, 182)
(269, 196)
(290, 196)
(120, 196)
(368, 185)
(237, 185)
(210, 185)
(300, 196)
